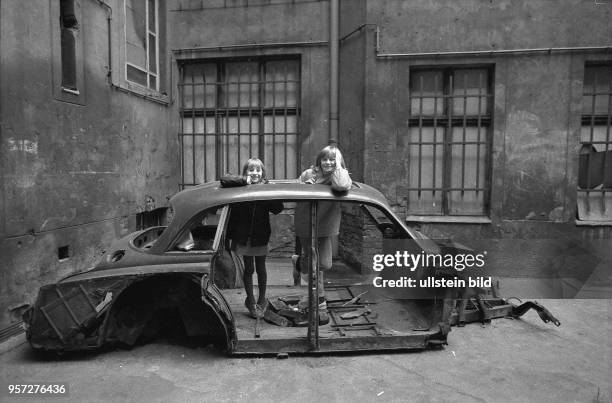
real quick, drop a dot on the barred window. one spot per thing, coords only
(235, 110)
(595, 160)
(449, 140)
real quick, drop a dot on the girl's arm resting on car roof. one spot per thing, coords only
(232, 181)
(340, 180)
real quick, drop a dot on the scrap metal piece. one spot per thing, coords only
(485, 309)
(276, 319)
(354, 300)
(355, 314)
(277, 304)
(290, 299)
(479, 308)
(545, 315)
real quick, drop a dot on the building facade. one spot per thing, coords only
(88, 136)
(487, 123)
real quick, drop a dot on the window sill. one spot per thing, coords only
(142, 92)
(584, 223)
(448, 219)
(71, 91)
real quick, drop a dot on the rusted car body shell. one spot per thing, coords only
(73, 314)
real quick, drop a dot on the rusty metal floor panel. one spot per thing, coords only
(390, 324)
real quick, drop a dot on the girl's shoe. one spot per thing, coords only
(323, 314)
(251, 308)
(260, 310)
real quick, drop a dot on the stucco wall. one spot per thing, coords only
(537, 96)
(535, 129)
(73, 174)
(354, 36)
(216, 23)
(442, 25)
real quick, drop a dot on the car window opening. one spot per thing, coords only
(347, 295)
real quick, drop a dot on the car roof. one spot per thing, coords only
(212, 194)
(189, 202)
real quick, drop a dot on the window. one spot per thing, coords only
(142, 45)
(595, 159)
(449, 141)
(233, 110)
(202, 233)
(69, 30)
(67, 51)
(138, 48)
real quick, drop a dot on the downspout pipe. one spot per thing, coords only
(334, 28)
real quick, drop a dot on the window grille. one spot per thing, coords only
(595, 159)
(235, 110)
(142, 47)
(449, 141)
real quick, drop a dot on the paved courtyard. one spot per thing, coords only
(508, 360)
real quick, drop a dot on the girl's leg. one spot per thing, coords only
(295, 260)
(300, 270)
(324, 245)
(247, 278)
(262, 279)
(304, 245)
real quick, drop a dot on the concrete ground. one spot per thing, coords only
(507, 360)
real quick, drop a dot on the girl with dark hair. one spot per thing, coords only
(249, 229)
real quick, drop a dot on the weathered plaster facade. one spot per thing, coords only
(535, 124)
(75, 170)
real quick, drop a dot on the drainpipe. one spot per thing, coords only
(334, 27)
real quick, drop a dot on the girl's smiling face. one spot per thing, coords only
(328, 163)
(254, 172)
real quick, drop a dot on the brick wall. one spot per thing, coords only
(359, 239)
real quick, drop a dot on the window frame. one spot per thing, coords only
(60, 92)
(590, 121)
(147, 69)
(219, 233)
(446, 121)
(119, 64)
(221, 111)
